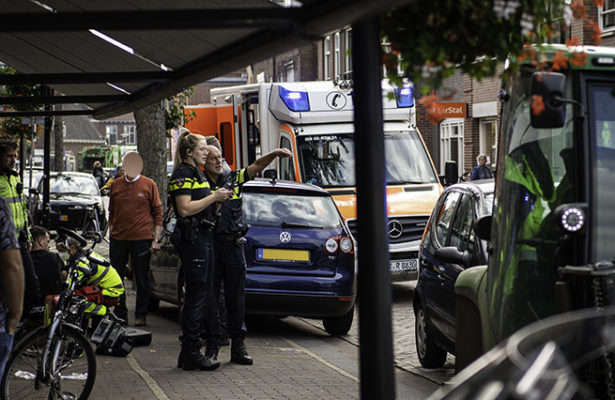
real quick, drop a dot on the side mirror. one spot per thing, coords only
(551, 87)
(482, 227)
(451, 255)
(270, 174)
(451, 173)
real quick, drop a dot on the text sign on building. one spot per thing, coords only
(450, 110)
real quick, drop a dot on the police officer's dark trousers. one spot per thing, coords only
(231, 271)
(198, 269)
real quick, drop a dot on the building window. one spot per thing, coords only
(337, 56)
(606, 16)
(130, 135)
(347, 53)
(287, 72)
(489, 141)
(111, 135)
(327, 57)
(451, 142)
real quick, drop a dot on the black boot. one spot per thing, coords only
(193, 360)
(239, 354)
(211, 349)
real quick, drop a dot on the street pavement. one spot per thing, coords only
(294, 359)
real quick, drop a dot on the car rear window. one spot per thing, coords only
(290, 210)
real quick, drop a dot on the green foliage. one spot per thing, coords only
(175, 110)
(432, 39)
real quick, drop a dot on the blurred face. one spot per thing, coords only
(214, 161)
(199, 154)
(8, 159)
(482, 160)
(120, 171)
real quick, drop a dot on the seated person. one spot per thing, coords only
(47, 265)
(102, 287)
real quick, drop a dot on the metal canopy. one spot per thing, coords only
(168, 46)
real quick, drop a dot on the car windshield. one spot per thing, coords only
(290, 210)
(63, 184)
(328, 160)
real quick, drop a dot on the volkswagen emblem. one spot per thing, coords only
(395, 229)
(284, 237)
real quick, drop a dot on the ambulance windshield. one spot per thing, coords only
(329, 161)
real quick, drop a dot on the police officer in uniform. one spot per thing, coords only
(194, 205)
(11, 189)
(230, 266)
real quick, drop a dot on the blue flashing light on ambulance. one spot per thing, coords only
(314, 120)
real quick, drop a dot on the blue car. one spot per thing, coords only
(449, 246)
(299, 253)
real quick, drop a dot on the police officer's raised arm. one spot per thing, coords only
(261, 163)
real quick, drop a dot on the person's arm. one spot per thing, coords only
(13, 283)
(111, 206)
(474, 174)
(261, 163)
(157, 216)
(187, 207)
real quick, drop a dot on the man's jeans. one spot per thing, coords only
(119, 250)
(6, 344)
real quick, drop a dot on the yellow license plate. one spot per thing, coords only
(63, 217)
(283, 255)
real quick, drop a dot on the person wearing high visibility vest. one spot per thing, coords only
(230, 266)
(102, 287)
(11, 189)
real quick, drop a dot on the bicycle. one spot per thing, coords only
(56, 361)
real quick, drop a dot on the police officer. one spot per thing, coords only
(228, 247)
(194, 205)
(11, 189)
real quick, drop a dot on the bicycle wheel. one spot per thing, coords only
(71, 367)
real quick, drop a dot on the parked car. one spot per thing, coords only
(299, 253)
(449, 246)
(74, 203)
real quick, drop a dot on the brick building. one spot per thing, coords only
(462, 137)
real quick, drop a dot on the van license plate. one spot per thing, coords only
(404, 265)
(64, 218)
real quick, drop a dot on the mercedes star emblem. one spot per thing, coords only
(395, 229)
(284, 237)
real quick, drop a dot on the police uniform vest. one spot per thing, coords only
(189, 180)
(12, 191)
(230, 219)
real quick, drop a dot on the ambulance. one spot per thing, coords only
(314, 120)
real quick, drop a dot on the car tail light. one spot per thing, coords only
(331, 245)
(337, 244)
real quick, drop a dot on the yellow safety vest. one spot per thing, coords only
(104, 277)
(15, 200)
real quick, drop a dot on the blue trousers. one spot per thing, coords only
(6, 344)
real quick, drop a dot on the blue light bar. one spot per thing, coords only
(295, 101)
(404, 97)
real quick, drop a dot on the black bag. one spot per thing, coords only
(111, 338)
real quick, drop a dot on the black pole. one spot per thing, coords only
(375, 326)
(22, 159)
(47, 158)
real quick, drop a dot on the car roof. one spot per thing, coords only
(309, 188)
(478, 188)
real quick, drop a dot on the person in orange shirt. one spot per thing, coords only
(135, 226)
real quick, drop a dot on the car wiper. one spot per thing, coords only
(291, 225)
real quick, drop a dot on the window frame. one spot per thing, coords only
(437, 243)
(347, 53)
(602, 12)
(445, 142)
(337, 56)
(130, 135)
(111, 131)
(327, 57)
